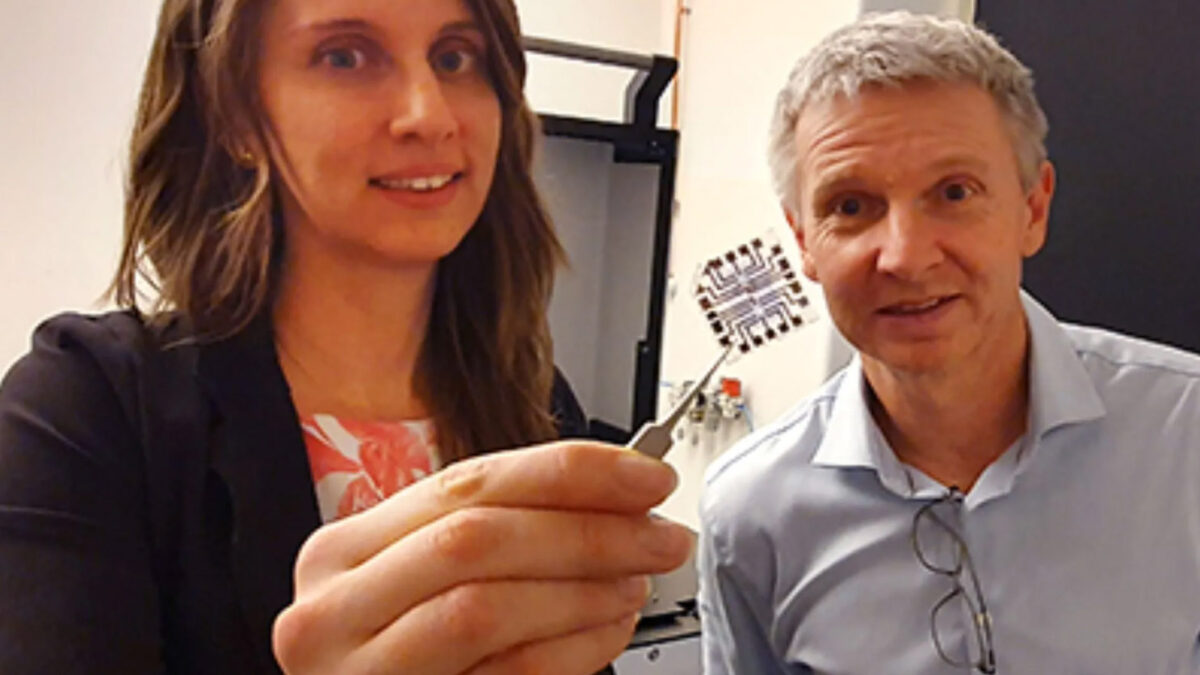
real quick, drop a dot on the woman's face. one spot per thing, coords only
(385, 122)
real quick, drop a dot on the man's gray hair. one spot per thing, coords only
(895, 48)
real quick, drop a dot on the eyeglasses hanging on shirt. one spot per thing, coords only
(932, 530)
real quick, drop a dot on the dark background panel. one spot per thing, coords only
(1120, 82)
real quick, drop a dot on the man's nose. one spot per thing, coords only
(908, 244)
(422, 111)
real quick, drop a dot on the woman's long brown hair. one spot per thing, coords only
(202, 225)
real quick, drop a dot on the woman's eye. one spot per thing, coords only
(344, 58)
(454, 61)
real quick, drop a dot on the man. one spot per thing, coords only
(982, 488)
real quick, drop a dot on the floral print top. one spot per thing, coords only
(355, 465)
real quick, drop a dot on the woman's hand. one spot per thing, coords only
(527, 561)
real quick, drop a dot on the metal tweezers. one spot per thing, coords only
(654, 438)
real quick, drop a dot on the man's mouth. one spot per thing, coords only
(917, 306)
(417, 183)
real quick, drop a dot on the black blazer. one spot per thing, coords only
(152, 501)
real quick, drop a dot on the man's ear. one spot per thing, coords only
(807, 265)
(1037, 208)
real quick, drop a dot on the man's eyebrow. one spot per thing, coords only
(958, 162)
(847, 177)
(833, 184)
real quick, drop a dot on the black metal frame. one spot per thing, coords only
(638, 140)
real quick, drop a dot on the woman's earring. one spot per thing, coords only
(245, 158)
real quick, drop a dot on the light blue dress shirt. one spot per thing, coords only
(1085, 534)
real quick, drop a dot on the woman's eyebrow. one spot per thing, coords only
(464, 26)
(331, 25)
(356, 24)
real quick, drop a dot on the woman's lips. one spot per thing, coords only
(419, 192)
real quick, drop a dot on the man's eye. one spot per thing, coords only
(956, 192)
(344, 58)
(850, 206)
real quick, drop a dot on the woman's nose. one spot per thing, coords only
(422, 111)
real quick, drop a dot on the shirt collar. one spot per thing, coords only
(1061, 393)
(848, 434)
(1060, 390)
(853, 440)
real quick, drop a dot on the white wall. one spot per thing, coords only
(69, 73)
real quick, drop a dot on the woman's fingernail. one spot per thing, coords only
(646, 474)
(636, 589)
(664, 538)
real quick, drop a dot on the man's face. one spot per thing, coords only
(912, 216)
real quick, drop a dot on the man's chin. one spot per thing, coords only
(927, 357)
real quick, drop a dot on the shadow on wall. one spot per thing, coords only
(840, 351)
(962, 9)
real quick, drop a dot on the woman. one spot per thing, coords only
(334, 200)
